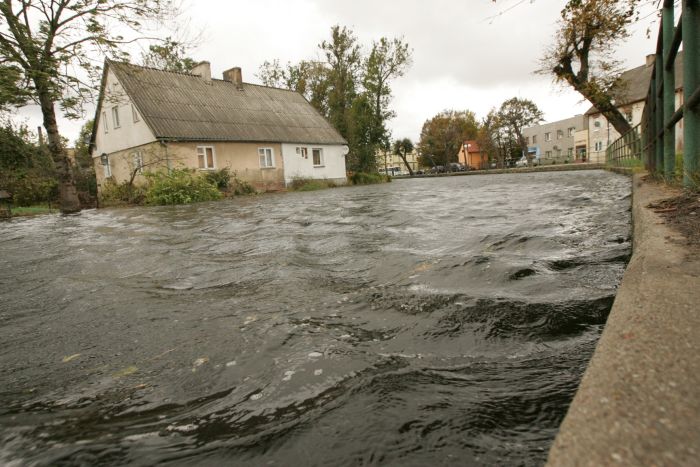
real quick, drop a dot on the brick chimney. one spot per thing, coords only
(202, 69)
(650, 59)
(235, 76)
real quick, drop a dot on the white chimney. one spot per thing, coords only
(202, 69)
(235, 76)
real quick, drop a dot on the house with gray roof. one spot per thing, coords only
(630, 102)
(149, 119)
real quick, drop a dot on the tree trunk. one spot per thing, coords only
(68, 195)
(408, 166)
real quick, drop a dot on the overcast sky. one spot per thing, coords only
(467, 54)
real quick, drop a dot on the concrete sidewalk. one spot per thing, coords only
(639, 400)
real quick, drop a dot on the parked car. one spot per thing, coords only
(522, 162)
(457, 167)
(438, 169)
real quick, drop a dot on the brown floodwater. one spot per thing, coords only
(421, 322)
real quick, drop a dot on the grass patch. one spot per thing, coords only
(32, 210)
(310, 184)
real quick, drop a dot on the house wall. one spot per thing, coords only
(557, 148)
(241, 158)
(121, 163)
(295, 165)
(395, 161)
(605, 134)
(130, 133)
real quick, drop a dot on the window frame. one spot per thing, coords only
(137, 159)
(571, 131)
(135, 114)
(321, 160)
(560, 134)
(107, 169)
(262, 152)
(204, 159)
(548, 136)
(115, 117)
(534, 139)
(104, 122)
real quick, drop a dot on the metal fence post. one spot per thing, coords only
(659, 110)
(691, 80)
(669, 94)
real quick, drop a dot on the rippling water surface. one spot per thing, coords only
(422, 322)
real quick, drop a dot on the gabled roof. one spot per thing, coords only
(636, 83)
(183, 106)
(473, 146)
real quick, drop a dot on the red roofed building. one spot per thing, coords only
(470, 155)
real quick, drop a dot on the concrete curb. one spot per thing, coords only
(639, 399)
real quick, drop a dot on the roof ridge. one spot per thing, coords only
(133, 65)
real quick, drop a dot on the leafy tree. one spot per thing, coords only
(16, 149)
(362, 155)
(309, 78)
(169, 55)
(582, 53)
(344, 60)
(443, 135)
(403, 147)
(82, 146)
(44, 42)
(517, 114)
(387, 60)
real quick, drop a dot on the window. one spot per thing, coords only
(107, 169)
(570, 152)
(596, 125)
(135, 114)
(104, 121)
(628, 115)
(558, 152)
(205, 157)
(137, 158)
(317, 154)
(560, 134)
(548, 137)
(571, 131)
(115, 117)
(534, 139)
(303, 152)
(527, 139)
(598, 145)
(548, 154)
(267, 159)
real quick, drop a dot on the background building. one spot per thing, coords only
(555, 142)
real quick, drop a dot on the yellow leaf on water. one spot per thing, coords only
(130, 370)
(71, 357)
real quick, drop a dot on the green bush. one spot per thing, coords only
(117, 194)
(310, 184)
(180, 186)
(29, 187)
(219, 178)
(241, 187)
(362, 178)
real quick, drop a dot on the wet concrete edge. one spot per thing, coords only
(639, 400)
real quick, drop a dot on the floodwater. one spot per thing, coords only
(422, 322)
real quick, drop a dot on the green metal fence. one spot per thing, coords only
(626, 151)
(660, 116)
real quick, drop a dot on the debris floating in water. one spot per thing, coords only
(71, 357)
(318, 372)
(256, 396)
(315, 354)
